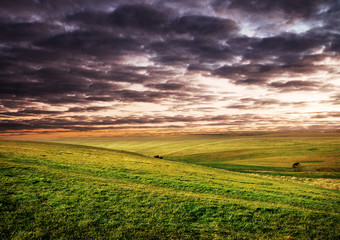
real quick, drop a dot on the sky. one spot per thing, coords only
(101, 67)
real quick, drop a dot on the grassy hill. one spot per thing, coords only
(318, 154)
(61, 191)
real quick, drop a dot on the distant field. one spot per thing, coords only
(318, 154)
(61, 191)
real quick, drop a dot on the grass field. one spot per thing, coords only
(63, 191)
(318, 154)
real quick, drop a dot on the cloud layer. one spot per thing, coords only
(225, 65)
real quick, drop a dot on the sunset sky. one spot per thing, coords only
(78, 67)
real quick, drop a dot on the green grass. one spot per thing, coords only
(318, 153)
(61, 191)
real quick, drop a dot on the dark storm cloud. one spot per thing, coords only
(87, 109)
(335, 99)
(51, 9)
(126, 96)
(76, 85)
(335, 45)
(285, 43)
(190, 51)
(55, 53)
(269, 102)
(170, 86)
(297, 85)
(294, 84)
(250, 81)
(134, 20)
(42, 84)
(252, 103)
(72, 84)
(84, 123)
(261, 102)
(204, 26)
(262, 74)
(90, 123)
(273, 56)
(326, 115)
(139, 16)
(88, 19)
(102, 44)
(125, 75)
(248, 74)
(282, 49)
(31, 31)
(30, 112)
(203, 47)
(294, 8)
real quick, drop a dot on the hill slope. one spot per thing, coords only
(54, 191)
(318, 154)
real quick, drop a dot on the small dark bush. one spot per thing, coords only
(296, 165)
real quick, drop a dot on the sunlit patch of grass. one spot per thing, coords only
(319, 182)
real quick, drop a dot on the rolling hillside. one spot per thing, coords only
(318, 154)
(61, 191)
